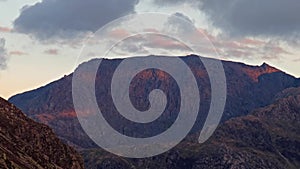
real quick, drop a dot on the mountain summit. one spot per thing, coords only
(248, 88)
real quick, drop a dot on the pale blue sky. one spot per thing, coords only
(33, 61)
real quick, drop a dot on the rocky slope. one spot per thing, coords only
(267, 138)
(27, 144)
(249, 87)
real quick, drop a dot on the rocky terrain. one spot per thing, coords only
(267, 138)
(248, 88)
(26, 144)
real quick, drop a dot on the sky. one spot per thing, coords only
(41, 40)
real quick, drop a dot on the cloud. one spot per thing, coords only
(51, 51)
(261, 40)
(119, 33)
(239, 18)
(148, 44)
(243, 48)
(250, 49)
(253, 42)
(161, 42)
(68, 18)
(5, 29)
(255, 18)
(296, 60)
(180, 23)
(174, 2)
(17, 53)
(3, 54)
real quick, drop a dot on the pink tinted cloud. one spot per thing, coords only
(205, 33)
(245, 47)
(152, 30)
(278, 49)
(17, 53)
(51, 51)
(253, 42)
(119, 33)
(5, 29)
(165, 43)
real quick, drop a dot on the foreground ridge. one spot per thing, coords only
(27, 144)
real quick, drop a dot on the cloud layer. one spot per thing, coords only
(255, 17)
(271, 18)
(66, 18)
(3, 54)
(51, 51)
(5, 29)
(175, 2)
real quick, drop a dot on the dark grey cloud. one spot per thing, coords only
(272, 18)
(256, 17)
(244, 23)
(174, 2)
(167, 2)
(182, 16)
(180, 23)
(66, 18)
(3, 54)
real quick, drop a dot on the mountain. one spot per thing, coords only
(268, 137)
(27, 144)
(248, 88)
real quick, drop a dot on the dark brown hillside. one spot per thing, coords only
(268, 138)
(27, 144)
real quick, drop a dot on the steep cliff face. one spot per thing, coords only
(27, 144)
(249, 87)
(266, 138)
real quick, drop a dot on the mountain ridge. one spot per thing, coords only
(248, 88)
(263, 65)
(52, 104)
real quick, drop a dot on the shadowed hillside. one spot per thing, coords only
(27, 144)
(266, 138)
